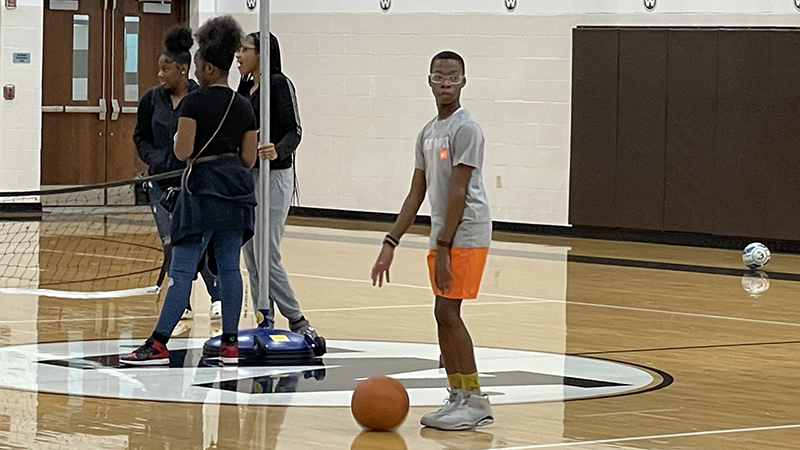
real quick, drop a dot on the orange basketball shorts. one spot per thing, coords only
(466, 271)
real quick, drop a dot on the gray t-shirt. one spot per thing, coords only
(442, 145)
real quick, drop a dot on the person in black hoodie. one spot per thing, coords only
(285, 134)
(217, 136)
(156, 125)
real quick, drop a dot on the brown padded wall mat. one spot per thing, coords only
(641, 131)
(594, 127)
(691, 131)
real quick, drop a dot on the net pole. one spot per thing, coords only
(262, 224)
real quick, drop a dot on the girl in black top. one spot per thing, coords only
(156, 125)
(217, 134)
(285, 134)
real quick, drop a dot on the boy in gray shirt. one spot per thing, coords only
(448, 162)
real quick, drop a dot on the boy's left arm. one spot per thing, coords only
(466, 147)
(456, 202)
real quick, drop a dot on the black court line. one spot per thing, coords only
(688, 347)
(666, 381)
(558, 257)
(677, 267)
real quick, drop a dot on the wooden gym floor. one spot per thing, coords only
(666, 350)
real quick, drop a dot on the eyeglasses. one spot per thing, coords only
(244, 49)
(437, 78)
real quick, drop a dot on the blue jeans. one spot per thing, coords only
(182, 270)
(163, 220)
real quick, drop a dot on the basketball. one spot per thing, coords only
(755, 255)
(379, 403)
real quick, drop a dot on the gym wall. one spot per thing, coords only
(360, 78)
(20, 119)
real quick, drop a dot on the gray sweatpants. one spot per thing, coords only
(281, 187)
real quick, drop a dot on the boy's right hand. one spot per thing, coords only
(382, 265)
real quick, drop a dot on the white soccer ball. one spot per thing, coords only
(755, 255)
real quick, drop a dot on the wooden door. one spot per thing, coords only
(100, 57)
(138, 41)
(73, 100)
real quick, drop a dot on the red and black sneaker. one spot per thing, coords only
(152, 353)
(229, 354)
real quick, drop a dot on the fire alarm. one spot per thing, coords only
(8, 92)
(11, 4)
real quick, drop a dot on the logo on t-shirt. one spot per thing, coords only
(440, 143)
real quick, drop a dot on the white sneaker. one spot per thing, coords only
(216, 310)
(471, 410)
(429, 420)
(188, 314)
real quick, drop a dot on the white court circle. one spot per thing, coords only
(508, 376)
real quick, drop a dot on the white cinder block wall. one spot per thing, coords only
(20, 119)
(360, 77)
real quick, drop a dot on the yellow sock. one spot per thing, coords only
(455, 381)
(470, 382)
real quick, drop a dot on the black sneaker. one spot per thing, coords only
(302, 326)
(152, 353)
